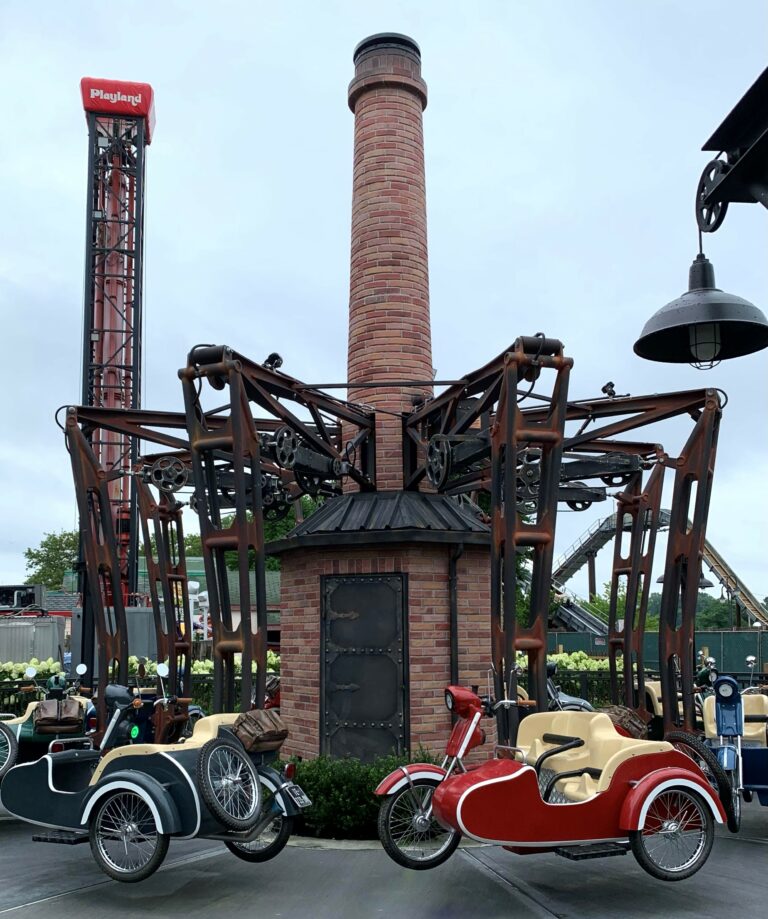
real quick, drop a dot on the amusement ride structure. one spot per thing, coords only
(251, 440)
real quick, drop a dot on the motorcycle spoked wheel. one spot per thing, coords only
(270, 842)
(125, 841)
(404, 841)
(229, 783)
(718, 778)
(9, 749)
(677, 837)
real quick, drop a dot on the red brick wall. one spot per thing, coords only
(428, 630)
(389, 327)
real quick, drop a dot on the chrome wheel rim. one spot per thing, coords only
(126, 833)
(416, 835)
(675, 831)
(232, 783)
(269, 834)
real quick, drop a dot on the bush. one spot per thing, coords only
(342, 792)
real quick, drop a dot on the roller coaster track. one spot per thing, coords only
(602, 531)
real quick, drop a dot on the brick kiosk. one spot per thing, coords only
(384, 594)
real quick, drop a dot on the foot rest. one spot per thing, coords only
(61, 837)
(596, 850)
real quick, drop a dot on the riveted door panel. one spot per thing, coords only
(364, 699)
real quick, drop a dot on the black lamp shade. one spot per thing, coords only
(719, 321)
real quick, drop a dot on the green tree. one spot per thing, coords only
(192, 545)
(49, 562)
(274, 530)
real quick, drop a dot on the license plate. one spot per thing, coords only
(297, 795)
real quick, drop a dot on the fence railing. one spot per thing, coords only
(592, 685)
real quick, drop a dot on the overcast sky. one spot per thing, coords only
(562, 155)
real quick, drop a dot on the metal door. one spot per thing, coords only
(363, 692)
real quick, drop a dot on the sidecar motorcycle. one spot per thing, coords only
(572, 786)
(132, 795)
(58, 720)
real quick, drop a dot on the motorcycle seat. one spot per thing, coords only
(755, 733)
(603, 751)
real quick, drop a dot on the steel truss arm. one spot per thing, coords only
(510, 434)
(102, 565)
(243, 539)
(637, 513)
(168, 585)
(694, 471)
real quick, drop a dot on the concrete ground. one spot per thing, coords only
(201, 878)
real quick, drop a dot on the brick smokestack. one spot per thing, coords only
(389, 329)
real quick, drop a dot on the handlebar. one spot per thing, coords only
(522, 703)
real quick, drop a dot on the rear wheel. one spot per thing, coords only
(718, 778)
(9, 749)
(229, 784)
(124, 837)
(677, 837)
(409, 836)
(272, 839)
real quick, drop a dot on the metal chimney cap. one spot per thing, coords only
(387, 40)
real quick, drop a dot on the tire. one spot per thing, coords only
(677, 837)
(717, 777)
(270, 842)
(229, 784)
(124, 819)
(406, 843)
(734, 815)
(9, 749)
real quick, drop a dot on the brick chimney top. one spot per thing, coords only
(389, 325)
(387, 60)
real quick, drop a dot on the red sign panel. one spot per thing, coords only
(118, 97)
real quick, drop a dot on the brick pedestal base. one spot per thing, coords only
(428, 633)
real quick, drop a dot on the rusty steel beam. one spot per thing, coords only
(694, 470)
(637, 516)
(242, 540)
(102, 566)
(168, 585)
(510, 433)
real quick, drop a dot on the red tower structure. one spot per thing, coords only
(120, 118)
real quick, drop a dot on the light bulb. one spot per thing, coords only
(704, 338)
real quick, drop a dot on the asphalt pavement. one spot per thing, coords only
(201, 878)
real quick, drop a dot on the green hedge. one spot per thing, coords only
(344, 805)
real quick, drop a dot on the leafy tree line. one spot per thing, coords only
(57, 553)
(712, 613)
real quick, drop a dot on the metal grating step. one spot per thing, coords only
(61, 837)
(596, 850)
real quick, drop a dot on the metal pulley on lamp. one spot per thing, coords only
(704, 325)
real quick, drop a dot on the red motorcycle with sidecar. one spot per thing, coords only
(573, 786)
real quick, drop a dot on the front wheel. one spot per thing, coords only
(124, 838)
(677, 837)
(409, 835)
(272, 839)
(9, 749)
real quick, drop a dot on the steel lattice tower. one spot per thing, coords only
(120, 120)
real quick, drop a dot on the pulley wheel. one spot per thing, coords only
(286, 445)
(169, 474)
(438, 460)
(709, 217)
